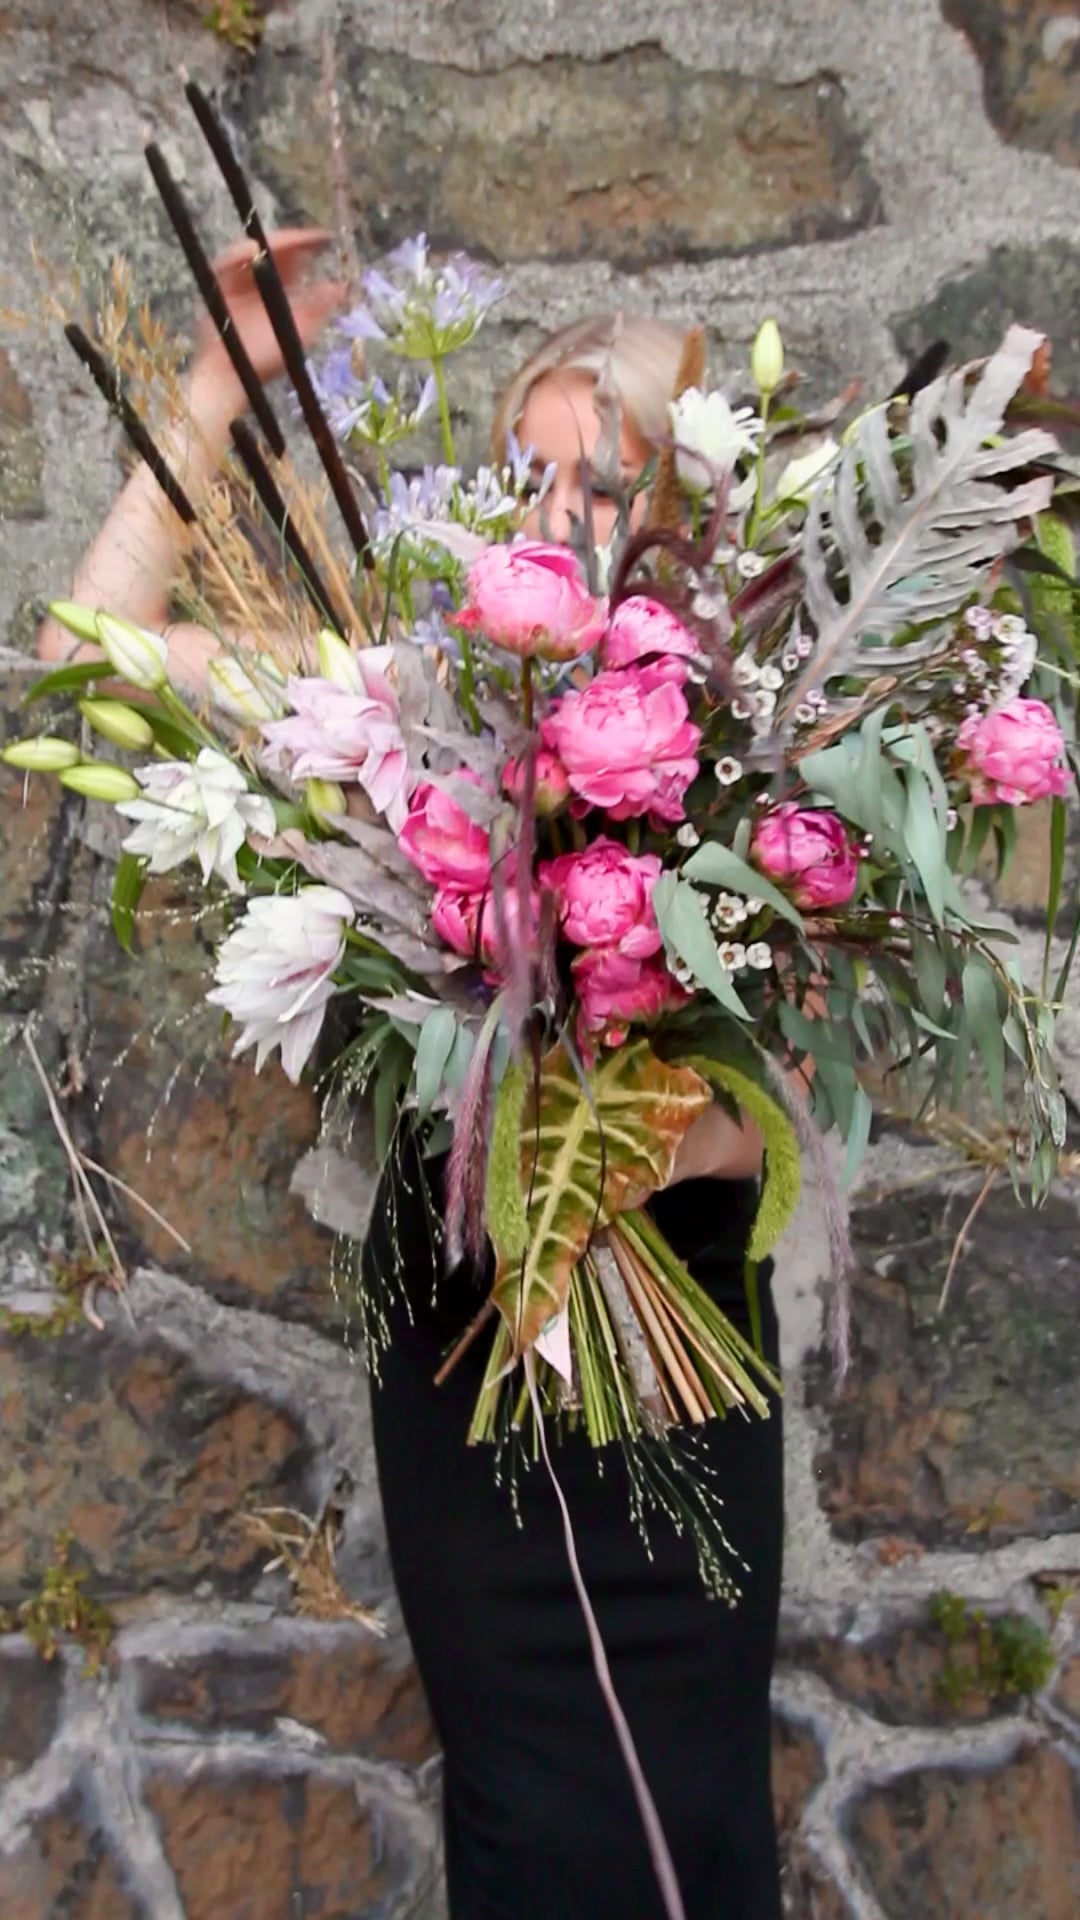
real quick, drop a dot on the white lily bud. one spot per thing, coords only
(95, 780)
(118, 723)
(797, 480)
(337, 662)
(325, 798)
(46, 754)
(241, 694)
(81, 621)
(137, 654)
(767, 357)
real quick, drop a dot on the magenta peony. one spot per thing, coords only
(450, 849)
(614, 990)
(469, 923)
(552, 785)
(604, 898)
(808, 851)
(531, 598)
(644, 629)
(351, 735)
(627, 743)
(1013, 754)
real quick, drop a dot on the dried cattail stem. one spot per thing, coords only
(277, 512)
(109, 382)
(206, 280)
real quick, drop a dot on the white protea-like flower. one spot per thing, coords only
(201, 809)
(710, 437)
(275, 972)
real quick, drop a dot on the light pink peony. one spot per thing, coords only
(627, 743)
(552, 785)
(450, 849)
(604, 898)
(613, 990)
(338, 733)
(808, 851)
(644, 629)
(1013, 754)
(531, 598)
(469, 923)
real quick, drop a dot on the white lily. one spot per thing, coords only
(201, 809)
(710, 437)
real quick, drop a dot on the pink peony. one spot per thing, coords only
(338, 733)
(450, 849)
(641, 629)
(604, 898)
(531, 599)
(469, 923)
(552, 785)
(1013, 754)
(627, 743)
(809, 852)
(613, 990)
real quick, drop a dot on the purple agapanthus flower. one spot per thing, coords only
(419, 309)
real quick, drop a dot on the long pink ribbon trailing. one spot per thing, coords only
(660, 1852)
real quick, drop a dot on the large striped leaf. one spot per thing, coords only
(586, 1151)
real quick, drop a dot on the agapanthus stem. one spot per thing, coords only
(437, 369)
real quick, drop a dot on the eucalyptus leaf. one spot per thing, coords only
(717, 866)
(858, 1138)
(682, 920)
(924, 838)
(433, 1049)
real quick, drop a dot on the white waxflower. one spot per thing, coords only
(275, 971)
(728, 769)
(753, 904)
(980, 620)
(731, 955)
(745, 671)
(1008, 626)
(805, 713)
(789, 659)
(803, 645)
(710, 437)
(687, 835)
(762, 702)
(800, 476)
(740, 710)
(770, 678)
(759, 955)
(200, 809)
(749, 565)
(729, 911)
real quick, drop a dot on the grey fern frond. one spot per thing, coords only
(908, 541)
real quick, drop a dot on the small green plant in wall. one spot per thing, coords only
(1000, 1657)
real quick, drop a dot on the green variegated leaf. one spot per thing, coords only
(588, 1146)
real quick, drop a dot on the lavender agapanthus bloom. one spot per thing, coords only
(369, 410)
(275, 972)
(421, 310)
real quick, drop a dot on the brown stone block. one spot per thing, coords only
(910, 1677)
(64, 1872)
(361, 1695)
(1067, 1695)
(22, 457)
(1030, 52)
(144, 1462)
(543, 160)
(29, 1705)
(961, 1428)
(1039, 285)
(207, 1142)
(975, 1846)
(249, 1846)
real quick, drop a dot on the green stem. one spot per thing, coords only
(444, 410)
(182, 712)
(527, 692)
(384, 472)
(754, 524)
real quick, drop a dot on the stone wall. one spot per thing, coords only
(877, 175)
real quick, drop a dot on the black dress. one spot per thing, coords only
(539, 1815)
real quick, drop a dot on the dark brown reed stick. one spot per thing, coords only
(276, 301)
(278, 514)
(110, 384)
(206, 280)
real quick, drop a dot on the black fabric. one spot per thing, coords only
(540, 1820)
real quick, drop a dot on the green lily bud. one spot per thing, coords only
(325, 798)
(136, 654)
(46, 754)
(247, 697)
(81, 621)
(767, 357)
(118, 723)
(337, 662)
(96, 780)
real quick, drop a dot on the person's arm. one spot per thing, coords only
(718, 1147)
(129, 565)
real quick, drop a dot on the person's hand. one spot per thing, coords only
(216, 394)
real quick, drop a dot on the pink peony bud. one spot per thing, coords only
(531, 599)
(1013, 754)
(644, 629)
(614, 990)
(552, 785)
(808, 851)
(627, 743)
(450, 849)
(604, 898)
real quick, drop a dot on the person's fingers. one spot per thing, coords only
(313, 308)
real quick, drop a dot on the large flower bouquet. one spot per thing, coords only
(580, 841)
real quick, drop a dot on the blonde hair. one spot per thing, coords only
(643, 356)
